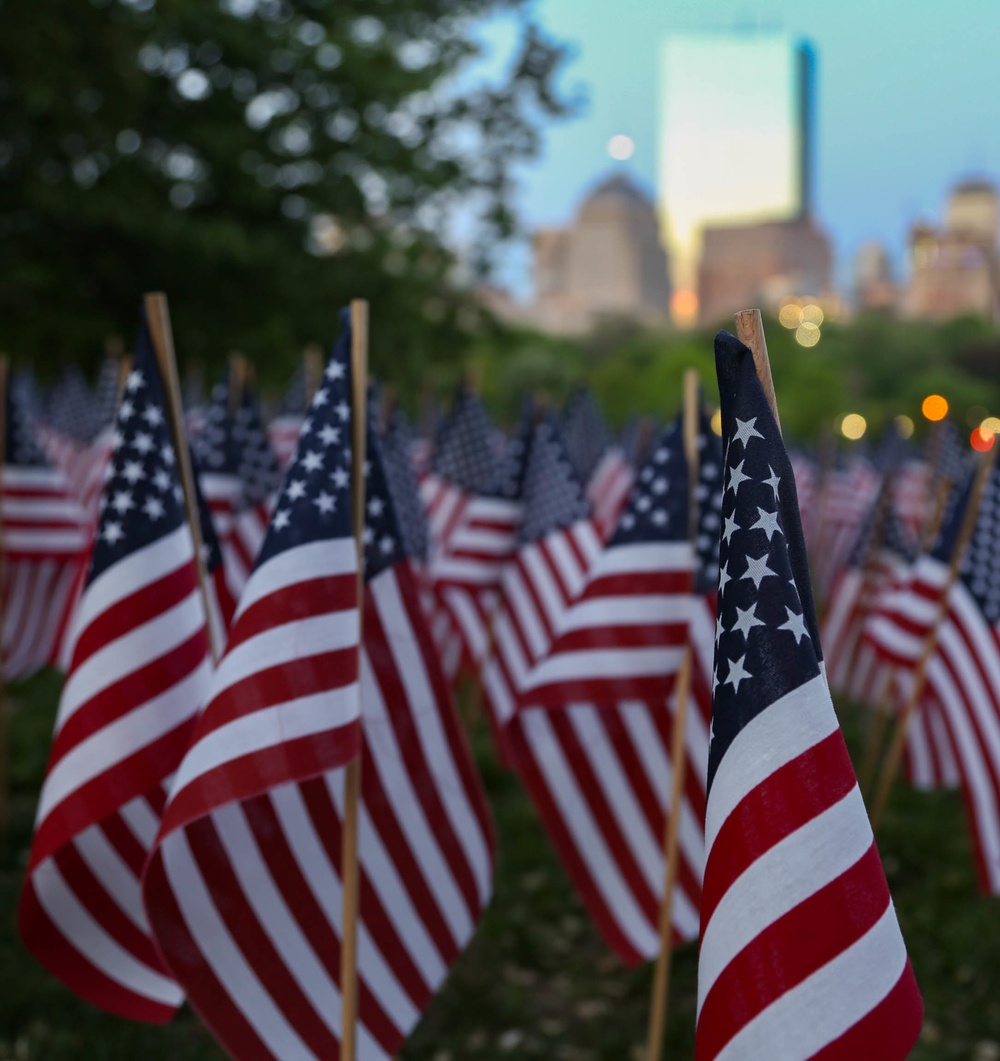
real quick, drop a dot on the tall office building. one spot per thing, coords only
(735, 143)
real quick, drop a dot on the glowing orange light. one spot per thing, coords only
(934, 407)
(979, 442)
(684, 306)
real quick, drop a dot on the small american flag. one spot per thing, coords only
(245, 890)
(45, 538)
(801, 953)
(138, 674)
(963, 675)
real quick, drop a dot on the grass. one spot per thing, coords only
(536, 982)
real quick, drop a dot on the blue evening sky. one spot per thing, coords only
(908, 100)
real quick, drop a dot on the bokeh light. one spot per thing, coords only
(990, 426)
(807, 334)
(790, 315)
(853, 426)
(621, 147)
(980, 442)
(934, 407)
(904, 425)
(717, 421)
(812, 314)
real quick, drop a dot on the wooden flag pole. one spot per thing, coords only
(678, 759)
(162, 336)
(4, 710)
(894, 756)
(750, 332)
(352, 772)
(312, 362)
(237, 382)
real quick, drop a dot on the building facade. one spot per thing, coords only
(607, 263)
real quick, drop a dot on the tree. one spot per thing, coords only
(262, 161)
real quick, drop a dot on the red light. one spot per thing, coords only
(979, 443)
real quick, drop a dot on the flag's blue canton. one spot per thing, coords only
(553, 496)
(463, 454)
(316, 500)
(709, 498)
(211, 547)
(586, 433)
(215, 445)
(514, 465)
(981, 567)
(657, 509)
(953, 454)
(883, 530)
(767, 641)
(106, 395)
(892, 449)
(257, 464)
(294, 400)
(28, 394)
(383, 539)
(142, 499)
(951, 522)
(71, 406)
(22, 447)
(403, 486)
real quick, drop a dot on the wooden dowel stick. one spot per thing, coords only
(894, 756)
(876, 733)
(750, 332)
(4, 709)
(162, 336)
(312, 362)
(352, 772)
(678, 758)
(660, 1000)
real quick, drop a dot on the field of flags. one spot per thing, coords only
(261, 799)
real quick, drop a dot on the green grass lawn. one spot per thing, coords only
(536, 982)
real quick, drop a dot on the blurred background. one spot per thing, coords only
(550, 191)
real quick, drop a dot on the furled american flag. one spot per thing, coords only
(245, 888)
(600, 465)
(602, 697)
(624, 636)
(880, 559)
(845, 497)
(137, 677)
(45, 539)
(801, 953)
(473, 521)
(963, 674)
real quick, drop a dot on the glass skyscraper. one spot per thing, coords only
(735, 141)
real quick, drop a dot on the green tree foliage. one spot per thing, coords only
(262, 161)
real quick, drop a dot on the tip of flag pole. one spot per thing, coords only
(750, 332)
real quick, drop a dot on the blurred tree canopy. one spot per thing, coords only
(261, 161)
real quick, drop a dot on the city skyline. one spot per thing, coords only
(904, 108)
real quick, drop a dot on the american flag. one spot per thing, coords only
(624, 636)
(600, 465)
(586, 433)
(45, 539)
(801, 953)
(245, 888)
(71, 409)
(473, 514)
(845, 496)
(137, 677)
(879, 560)
(603, 695)
(963, 674)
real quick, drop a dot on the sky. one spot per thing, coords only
(908, 101)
